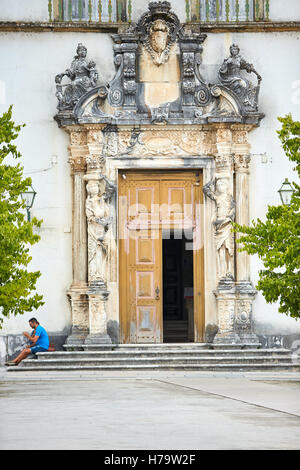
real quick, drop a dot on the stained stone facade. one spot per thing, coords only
(159, 110)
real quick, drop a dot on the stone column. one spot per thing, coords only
(224, 239)
(78, 289)
(245, 292)
(241, 150)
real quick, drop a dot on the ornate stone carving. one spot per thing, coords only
(243, 316)
(241, 162)
(226, 314)
(160, 115)
(167, 142)
(223, 162)
(144, 54)
(78, 164)
(83, 76)
(78, 138)
(196, 92)
(158, 42)
(99, 220)
(80, 315)
(218, 191)
(95, 137)
(110, 140)
(224, 135)
(159, 27)
(230, 75)
(95, 162)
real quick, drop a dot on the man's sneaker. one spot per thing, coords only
(11, 363)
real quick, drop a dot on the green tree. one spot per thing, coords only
(17, 284)
(277, 240)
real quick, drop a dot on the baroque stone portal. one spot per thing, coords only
(158, 112)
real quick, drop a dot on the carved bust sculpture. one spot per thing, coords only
(225, 212)
(83, 76)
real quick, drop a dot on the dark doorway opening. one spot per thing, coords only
(178, 298)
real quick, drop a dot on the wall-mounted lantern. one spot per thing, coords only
(28, 197)
(286, 192)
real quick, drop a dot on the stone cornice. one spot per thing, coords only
(66, 27)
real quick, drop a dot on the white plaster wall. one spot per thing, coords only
(24, 10)
(289, 10)
(30, 62)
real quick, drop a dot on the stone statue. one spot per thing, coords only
(99, 220)
(230, 76)
(224, 217)
(83, 76)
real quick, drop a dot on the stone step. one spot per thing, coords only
(171, 353)
(268, 366)
(180, 360)
(175, 325)
(165, 346)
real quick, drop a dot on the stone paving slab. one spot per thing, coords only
(280, 395)
(165, 411)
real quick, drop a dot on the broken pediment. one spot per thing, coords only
(158, 79)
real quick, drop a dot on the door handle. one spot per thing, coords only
(157, 292)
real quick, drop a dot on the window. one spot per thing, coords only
(227, 10)
(89, 10)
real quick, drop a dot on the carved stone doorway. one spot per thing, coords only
(156, 210)
(158, 112)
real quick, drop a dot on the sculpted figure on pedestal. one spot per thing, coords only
(98, 218)
(83, 76)
(230, 75)
(218, 191)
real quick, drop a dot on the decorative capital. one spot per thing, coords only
(78, 164)
(241, 162)
(224, 162)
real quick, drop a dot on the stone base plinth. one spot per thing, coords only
(234, 301)
(80, 314)
(98, 339)
(250, 338)
(227, 338)
(77, 337)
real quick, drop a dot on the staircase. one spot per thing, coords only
(175, 331)
(166, 356)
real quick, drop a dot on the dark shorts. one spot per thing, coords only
(36, 349)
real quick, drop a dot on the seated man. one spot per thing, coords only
(39, 342)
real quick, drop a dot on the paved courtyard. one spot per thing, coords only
(149, 411)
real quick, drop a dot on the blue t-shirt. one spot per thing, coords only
(43, 340)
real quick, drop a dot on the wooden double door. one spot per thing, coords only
(155, 207)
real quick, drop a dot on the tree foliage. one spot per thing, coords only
(277, 240)
(16, 233)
